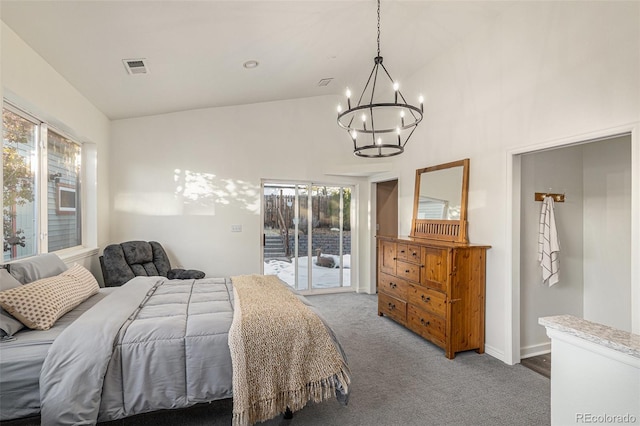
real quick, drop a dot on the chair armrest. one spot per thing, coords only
(185, 274)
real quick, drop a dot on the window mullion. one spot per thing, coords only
(43, 223)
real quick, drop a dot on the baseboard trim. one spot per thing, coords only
(535, 350)
(498, 354)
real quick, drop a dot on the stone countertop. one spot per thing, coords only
(613, 338)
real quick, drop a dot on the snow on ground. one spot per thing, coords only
(322, 277)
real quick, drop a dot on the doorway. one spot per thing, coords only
(387, 208)
(307, 235)
(595, 231)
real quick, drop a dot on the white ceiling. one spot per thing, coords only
(195, 49)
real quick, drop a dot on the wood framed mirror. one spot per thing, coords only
(440, 202)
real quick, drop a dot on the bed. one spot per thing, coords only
(157, 344)
(21, 359)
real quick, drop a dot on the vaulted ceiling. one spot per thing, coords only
(195, 50)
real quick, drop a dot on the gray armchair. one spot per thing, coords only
(122, 262)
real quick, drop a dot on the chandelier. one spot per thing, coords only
(382, 127)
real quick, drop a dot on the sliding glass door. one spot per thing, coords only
(307, 234)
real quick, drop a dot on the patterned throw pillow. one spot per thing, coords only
(38, 305)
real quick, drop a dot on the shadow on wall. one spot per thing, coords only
(195, 194)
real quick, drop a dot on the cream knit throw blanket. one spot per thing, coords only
(282, 354)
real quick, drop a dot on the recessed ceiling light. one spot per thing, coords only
(250, 64)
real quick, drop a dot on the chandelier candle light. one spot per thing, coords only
(379, 128)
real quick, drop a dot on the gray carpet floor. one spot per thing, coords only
(398, 379)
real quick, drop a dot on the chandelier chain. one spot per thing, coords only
(378, 27)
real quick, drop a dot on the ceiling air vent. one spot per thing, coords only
(136, 66)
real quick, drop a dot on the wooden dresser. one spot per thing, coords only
(434, 288)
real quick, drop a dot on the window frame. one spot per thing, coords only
(41, 183)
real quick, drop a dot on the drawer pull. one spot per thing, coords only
(426, 299)
(407, 271)
(393, 285)
(391, 306)
(401, 251)
(414, 254)
(423, 322)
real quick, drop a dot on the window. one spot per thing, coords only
(63, 197)
(41, 177)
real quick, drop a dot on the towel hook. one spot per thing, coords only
(558, 198)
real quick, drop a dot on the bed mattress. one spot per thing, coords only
(21, 361)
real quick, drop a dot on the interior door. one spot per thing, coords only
(387, 208)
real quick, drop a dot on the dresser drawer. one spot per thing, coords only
(408, 271)
(427, 299)
(408, 253)
(426, 324)
(393, 286)
(392, 307)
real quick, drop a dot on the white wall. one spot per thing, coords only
(543, 71)
(33, 85)
(561, 171)
(607, 236)
(184, 178)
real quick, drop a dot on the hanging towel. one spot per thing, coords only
(548, 244)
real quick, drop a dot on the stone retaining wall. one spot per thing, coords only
(328, 243)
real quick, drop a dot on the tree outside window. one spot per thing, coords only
(18, 179)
